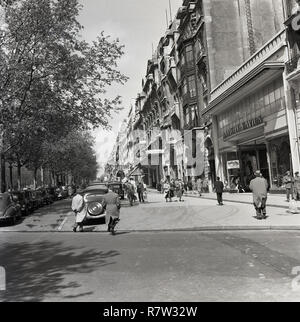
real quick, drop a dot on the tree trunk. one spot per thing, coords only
(42, 176)
(19, 176)
(35, 179)
(3, 178)
(11, 176)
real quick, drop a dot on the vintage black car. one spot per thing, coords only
(28, 196)
(24, 202)
(46, 197)
(118, 188)
(62, 193)
(10, 210)
(94, 198)
(37, 199)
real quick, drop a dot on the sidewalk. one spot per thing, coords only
(277, 200)
(274, 200)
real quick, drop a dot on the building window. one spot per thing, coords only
(192, 86)
(184, 87)
(182, 59)
(186, 116)
(189, 55)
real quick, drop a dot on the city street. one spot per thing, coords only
(151, 258)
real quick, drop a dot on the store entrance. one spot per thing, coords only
(253, 158)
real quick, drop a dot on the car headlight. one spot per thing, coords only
(95, 208)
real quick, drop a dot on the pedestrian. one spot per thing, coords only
(219, 189)
(167, 190)
(288, 182)
(194, 186)
(179, 190)
(172, 189)
(199, 186)
(140, 191)
(113, 206)
(259, 188)
(297, 186)
(145, 192)
(133, 183)
(79, 208)
(162, 182)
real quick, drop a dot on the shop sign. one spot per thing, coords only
(243, 126)
(293, 24)
(234, 164)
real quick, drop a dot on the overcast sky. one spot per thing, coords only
(138, 24)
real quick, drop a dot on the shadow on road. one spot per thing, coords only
(37, 271)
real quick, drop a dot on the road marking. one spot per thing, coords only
(62, 224)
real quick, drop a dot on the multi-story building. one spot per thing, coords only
(292, 74)
(219, 98)
(252, 121)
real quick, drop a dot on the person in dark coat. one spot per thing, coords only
(259, 188)
(140, 191)
(288, 182)
(113, 206)
(219, 188)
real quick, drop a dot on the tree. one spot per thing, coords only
(49, 76)
(73, 155)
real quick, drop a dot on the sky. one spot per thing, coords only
(138, 24)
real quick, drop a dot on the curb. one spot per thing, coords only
(196, 229)
(236, 201)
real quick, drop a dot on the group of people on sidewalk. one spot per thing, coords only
(131, 189)
(259, 187)
(292, 186)
(174, 188)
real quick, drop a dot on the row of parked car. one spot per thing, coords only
(15, 204)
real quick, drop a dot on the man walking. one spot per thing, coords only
(259, 188)
(297, 186)
(219, 188)
(140, 191)
(288, 182)
(113, 206)
(79, 209)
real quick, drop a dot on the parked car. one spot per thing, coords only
(28, 196)
(37, 199)
(94, 198)
(52, 194)
(118, 188)
(22, 199)
(63, 193)
(46, 198)
(10, 210)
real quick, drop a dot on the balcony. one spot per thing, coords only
(182, 12)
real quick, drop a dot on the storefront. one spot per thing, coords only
(253, 135)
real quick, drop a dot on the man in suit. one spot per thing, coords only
(259, 188)
(140, 191)
(288, 182)
(219, 188)
(113, 206)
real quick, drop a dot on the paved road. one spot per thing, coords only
(161, 266)
(193, 214)
(159, 254)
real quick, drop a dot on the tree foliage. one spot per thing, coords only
(52, 82)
